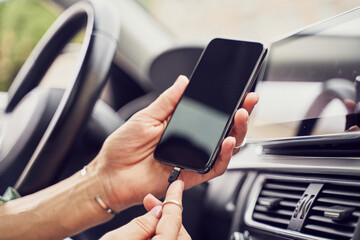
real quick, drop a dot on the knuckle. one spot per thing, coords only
(219, 171)
(143, 224)
(178, 222)
(222, 171)
(175, 219)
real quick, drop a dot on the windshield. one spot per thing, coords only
(257, 20)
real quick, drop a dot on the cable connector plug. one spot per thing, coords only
(173, 176)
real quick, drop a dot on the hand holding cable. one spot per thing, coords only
(162, 222)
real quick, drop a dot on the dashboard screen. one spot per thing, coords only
(310, 85)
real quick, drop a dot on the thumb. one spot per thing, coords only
(140, 228)
(165, 104)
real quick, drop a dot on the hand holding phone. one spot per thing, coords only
(203, 117)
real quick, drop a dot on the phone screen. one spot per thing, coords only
(202, 117)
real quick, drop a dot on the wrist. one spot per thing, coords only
(82, 196)
(110, 197)
(100, 192)
(61, 210)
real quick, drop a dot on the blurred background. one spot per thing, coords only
(23, 22)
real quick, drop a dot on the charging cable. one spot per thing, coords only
(173, 176)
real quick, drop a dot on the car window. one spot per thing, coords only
(22, 23)
(259, 20)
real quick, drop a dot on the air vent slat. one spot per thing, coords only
(356, 214)
(341, 193)
(277, 212)
(280, 194)
(326, 231)
(329, 221)
(351, 203)
(324, 208)
(284, 203)
(286, 187)
(291, 204)
(263, 217)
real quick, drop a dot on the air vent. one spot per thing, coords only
(277, 201)
(305, 207)
(335, 213)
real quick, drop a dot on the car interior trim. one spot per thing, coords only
(331, 165)
(253, 196)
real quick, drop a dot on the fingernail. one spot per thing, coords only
(245, 112)
(254, 94)
(233, 139)
(177, 79)
(156, 211)
(180, 77)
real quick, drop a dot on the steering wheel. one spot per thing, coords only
(335, 88)
(39, 125)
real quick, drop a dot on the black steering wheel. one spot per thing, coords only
(39, 125)
(335, 88)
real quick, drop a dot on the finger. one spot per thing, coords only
(165, 104)
(251, 100)
(350, 105)
(150, 202)
(183, 234)
(142, 227)
(171, 220)
(239, 128)
(223, 159)
(220, 166)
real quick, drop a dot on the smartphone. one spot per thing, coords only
(204, 115)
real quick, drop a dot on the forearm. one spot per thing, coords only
(55, 212)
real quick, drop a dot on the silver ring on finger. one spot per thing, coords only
(177, 203)
(237, 147)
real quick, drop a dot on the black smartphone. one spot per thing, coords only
(203, 117)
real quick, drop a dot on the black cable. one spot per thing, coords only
(173, 176)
